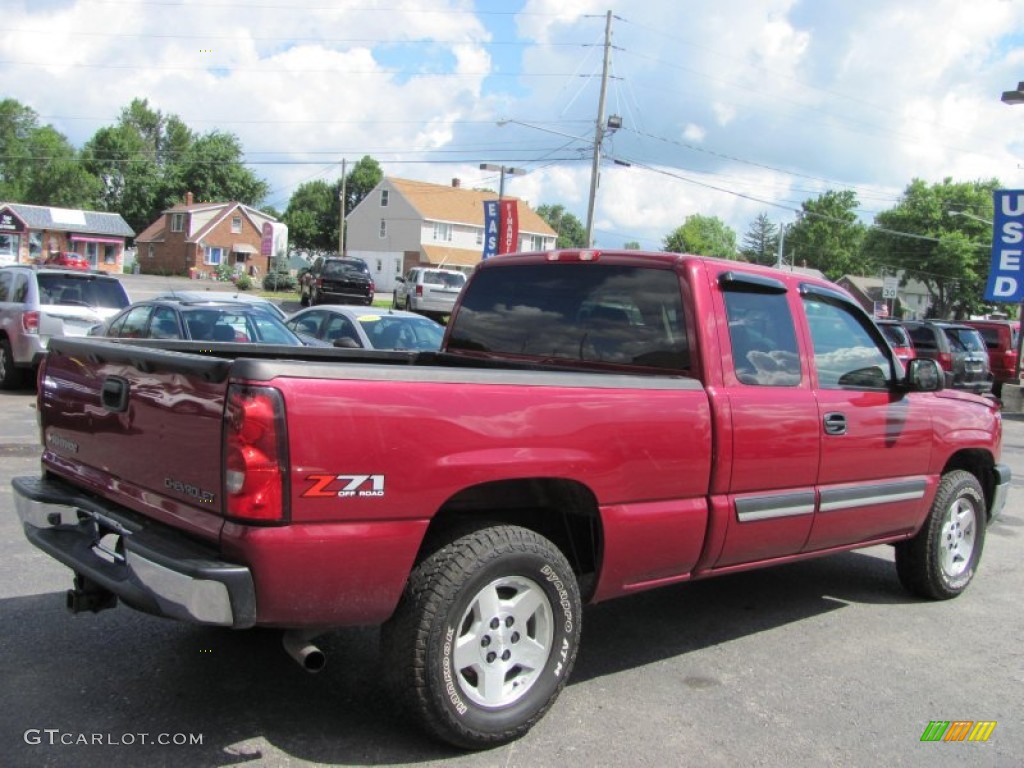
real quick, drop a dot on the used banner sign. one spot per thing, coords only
(1005, 278)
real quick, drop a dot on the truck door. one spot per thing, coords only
(773, 423)
(876, 439)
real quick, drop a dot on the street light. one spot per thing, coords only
(1014, 97)
(965, 214)
(504, 170)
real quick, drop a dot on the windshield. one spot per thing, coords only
(389, 332)
(965, 339)
(345, 269)
(896, 334)
(208, 324)
(81, 291)
(597, 313)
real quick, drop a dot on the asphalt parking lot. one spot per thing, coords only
(826, 662)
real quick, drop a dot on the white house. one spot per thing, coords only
(402, 224)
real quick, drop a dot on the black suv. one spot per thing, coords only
(959, 349)
(337, 280)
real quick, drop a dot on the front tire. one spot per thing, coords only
(940, 561)
(485, 636)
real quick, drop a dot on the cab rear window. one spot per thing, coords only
(571, 312)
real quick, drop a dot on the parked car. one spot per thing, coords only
(428, 290)
(368, 328)
(67, 259)
(257, 301)
(898, 339)
(958, 348)
(39, 303)
(1002, 339)
(226, 321)
(336, 280)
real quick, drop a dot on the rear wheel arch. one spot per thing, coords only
(563, 511)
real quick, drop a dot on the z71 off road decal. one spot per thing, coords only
(343, 486)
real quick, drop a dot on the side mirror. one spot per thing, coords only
(924, 375)
(399, 278)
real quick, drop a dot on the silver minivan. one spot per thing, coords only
(429, 290)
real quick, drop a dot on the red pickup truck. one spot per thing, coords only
(596, 424)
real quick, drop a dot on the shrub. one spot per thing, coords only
(243, 283)
(279, 281)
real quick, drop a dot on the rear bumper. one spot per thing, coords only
(148, 566)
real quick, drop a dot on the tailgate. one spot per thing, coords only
(137, 425)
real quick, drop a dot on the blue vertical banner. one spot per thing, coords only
(1005, 277)
(492, 212)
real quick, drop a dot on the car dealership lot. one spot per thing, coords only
(827, 662)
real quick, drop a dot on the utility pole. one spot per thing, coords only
(341, 204)
(599, 129)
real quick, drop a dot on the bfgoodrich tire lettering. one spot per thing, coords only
(940, 561)
(484, 637)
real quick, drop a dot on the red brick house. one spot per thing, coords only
(195, 238)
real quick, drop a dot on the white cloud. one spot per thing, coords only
(772, 100)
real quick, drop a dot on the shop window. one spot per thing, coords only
(110, 252)
(35, 246)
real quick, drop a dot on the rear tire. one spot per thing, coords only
(485, 636)
(11, 377)
(940, 561)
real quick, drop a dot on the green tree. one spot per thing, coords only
(948, 253)
(312, 216)
(828, 236)
(761, 242)
(211, 168)
(128, 176)
(704, 236)
(17, 125)
(58, 177)
(38, 165)
(359, 182)
(571, 233)
(632, 245)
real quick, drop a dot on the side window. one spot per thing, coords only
(164, 324)
(5, 285)
(308, 324)
(339, 327)
(764, 348)
(846, 353)
(20, 292)
(134, 326)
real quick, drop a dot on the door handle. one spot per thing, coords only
(835, 423)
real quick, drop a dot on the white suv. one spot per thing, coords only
(39, 303)
(429, 290)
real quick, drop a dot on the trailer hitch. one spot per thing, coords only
(89, 596)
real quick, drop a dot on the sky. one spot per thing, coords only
(728, 108)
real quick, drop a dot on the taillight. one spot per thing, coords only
(372, 287)
(419, 290)
(1010, 360)
(255, 454)
(319, 282)
(946, 361)
(30, 322)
